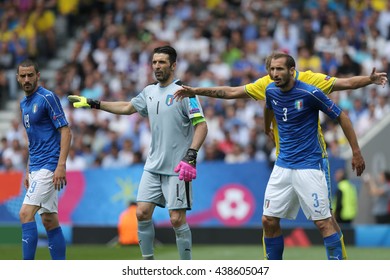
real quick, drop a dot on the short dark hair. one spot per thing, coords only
(171, 52)
(290, 62)
(27, 63)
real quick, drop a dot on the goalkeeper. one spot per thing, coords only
(178, 130)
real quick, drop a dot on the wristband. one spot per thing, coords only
(93, 103)
(190, 156)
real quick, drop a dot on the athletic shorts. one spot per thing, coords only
(290, 189)
(41, 191)
(326, 170)
(165, 191)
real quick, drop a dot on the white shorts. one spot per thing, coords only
(165, 191)
(289, 189)
(41, 191)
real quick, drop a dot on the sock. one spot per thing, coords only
(29, 240)
(333, 247)
(57, 244)
(184, 241)
(146, 239)
(273, 248)
(343, 249)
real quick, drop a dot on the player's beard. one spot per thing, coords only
(283, 82)
(162, 76)
(29, 88)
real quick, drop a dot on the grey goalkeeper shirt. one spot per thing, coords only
(170, 123)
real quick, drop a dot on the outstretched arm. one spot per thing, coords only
(117, 107)
(361, 81)
(223, 92)
(358, 163)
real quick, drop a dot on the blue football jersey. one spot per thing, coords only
(42, 115)
(297, 112)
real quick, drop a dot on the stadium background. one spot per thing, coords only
(227, 209)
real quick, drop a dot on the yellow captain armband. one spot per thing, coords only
(197, 120)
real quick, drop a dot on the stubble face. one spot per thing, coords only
(162, 68)
(280, 74)
(28, 79)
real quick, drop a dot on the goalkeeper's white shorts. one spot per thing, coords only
(41, 191)
(290, 189)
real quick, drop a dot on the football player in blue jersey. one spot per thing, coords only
(298, 178)
(49, 138)
(256, 91)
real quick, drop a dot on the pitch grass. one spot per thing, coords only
(200, 252)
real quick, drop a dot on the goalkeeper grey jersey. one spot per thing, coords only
(170, 123)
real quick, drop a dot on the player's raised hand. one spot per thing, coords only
(82, 102)
(378, 78)
(186, 91)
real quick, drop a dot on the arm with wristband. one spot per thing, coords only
(187, 166)
(117, 107)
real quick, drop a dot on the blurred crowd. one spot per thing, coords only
(218, 43)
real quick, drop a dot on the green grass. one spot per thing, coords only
(200, 252)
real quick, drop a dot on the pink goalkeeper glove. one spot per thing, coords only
(187, 166)
(187, 171)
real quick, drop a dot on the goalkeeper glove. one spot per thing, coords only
(187, 166)
(82, 102)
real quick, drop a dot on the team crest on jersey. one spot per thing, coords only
(35, 108)
(169, 100)
(327, 78)
(299, 104)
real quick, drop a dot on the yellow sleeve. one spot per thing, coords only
(319, 80)
(256, 90)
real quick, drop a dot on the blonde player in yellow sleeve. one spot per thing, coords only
(256, 91)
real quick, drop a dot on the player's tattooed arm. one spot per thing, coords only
(216, 93)
(223, 92)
